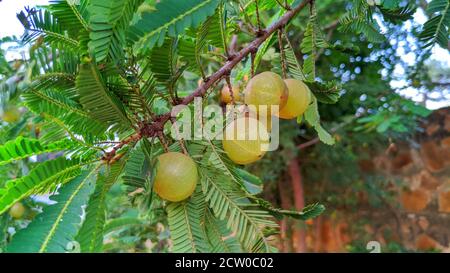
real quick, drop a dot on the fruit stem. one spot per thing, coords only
(230, 88)
(282, 53)
(253, 56)
(163, 141)
(257, 16)
(180, 140)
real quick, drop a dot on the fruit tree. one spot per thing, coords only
(97, 97)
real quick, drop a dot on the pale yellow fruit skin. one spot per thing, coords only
(240, 149)
(17, 210)
(11, 115)
(225, 95)
(298, 99)
(176, 176)
(266, 88)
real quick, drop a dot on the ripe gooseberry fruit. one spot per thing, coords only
(298, 99)
(225, 94)
(11, 115)
(17, 210)
(243, 140)
(266, 88)
(176, 176)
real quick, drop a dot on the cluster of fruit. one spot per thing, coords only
(177, 175)
(264, 90)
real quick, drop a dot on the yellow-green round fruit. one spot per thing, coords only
(17, 210)
(225, 95)
(176, 176)
(11, 115)
(266, 88)
(298, 99)
(244, 140)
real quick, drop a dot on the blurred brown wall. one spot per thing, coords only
(419, 216)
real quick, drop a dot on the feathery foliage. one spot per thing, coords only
(437, 29)
(211, 32)
(98, 101)
(163, 60)
(43, 177)
(311, 42)
(57, 225)
(41, 25)
(308, 212)
(74, 15)
(293, 65)
(109, 22)
(90, 235)
(170, 17)
(229, 203)
(312, 116)
(219, 236)
(325, 92)
(134, 169)
(60, 107)
(21, 148)
(398, 14)
(359, 20)
(186, 222)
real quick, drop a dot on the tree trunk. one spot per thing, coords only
(318, 234)
(285, 190)
(299, 234)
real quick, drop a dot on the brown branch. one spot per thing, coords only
(309, 143)
(230, 87)
(441, 83)
(299, 234)
(253, 46)
(332, 25)
(257, 16)
(108, 157)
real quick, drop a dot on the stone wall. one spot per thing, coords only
(419, 216)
